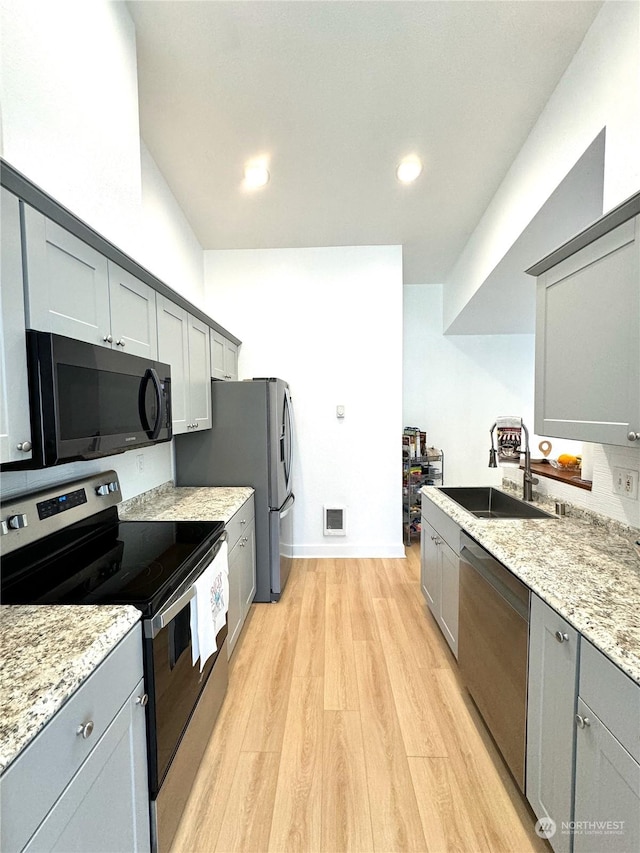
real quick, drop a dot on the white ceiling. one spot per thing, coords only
(334, 94)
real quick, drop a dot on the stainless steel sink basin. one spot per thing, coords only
(487, 502)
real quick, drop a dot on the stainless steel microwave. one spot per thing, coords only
(88, 401)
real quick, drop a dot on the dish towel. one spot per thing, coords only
(209, 607)
(509, 432)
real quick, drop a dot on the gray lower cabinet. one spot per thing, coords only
(439, 569)
(81, 784)
(607, 787)
(587, 384)
(553, 669)
(224, 357)
(15, 426)
(183, 343)
(242, 569)
(73, 290)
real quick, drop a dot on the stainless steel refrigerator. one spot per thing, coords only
(250, 444)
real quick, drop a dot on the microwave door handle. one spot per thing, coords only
(150, 374)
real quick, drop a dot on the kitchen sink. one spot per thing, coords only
(487, 502)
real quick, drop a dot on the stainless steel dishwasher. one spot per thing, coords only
(493, 648)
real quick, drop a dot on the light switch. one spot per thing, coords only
(339, 411)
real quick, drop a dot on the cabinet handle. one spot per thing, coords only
(633, 436)
(85, 729)
(583, 722)
(25, 446)
(243, 521)
(562, 637)
(120, 343)
(142, 700)
(108, 339)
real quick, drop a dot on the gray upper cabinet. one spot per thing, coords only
(15, 429)
(224, 357)
(587, 384)
(200, 373)
(73, 290)
(133, 313)
(183, 342)
(553, 668)
(67, 282)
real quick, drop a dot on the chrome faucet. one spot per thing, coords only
(528, 480)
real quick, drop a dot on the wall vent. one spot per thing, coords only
(335, 521)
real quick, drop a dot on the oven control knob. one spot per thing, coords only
(85, 729)
(114, 487)
(102, 490)
(17, 521)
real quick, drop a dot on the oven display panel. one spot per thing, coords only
(61, 503)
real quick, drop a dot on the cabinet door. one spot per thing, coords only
(230, 360)
(68, 283)
(234, 614)
(553, 663)
(224, 357)
(199, 373)
(173, 349)
(430, 567)
(248, 570)
(218, 352)
(588, 342)
(607, 801)
(449, 597)
(15, 427)
(106, 805)
(134, 325)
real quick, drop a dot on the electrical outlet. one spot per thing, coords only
(625, 483)
(631, 485)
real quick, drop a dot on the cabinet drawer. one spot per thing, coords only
(236, 526)
(33, 783)
(446, 526)
(612, 695)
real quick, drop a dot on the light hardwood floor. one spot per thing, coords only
(345, 728)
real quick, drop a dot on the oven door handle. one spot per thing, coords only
(153, 626)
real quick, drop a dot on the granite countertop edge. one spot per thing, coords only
(589, 574)
(48, 651)
(169, 502)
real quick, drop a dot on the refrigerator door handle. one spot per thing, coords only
(287, 505)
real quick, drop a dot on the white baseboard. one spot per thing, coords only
(339, 550)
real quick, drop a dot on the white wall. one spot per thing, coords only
(329, 321)
(601, 88)
(69, 96)
(456, 385)
(168, 247)
(69, 99)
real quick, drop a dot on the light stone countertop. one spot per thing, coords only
(47, 651)
(185, 503)
(588, 572)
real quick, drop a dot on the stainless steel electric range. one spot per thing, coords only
(67, 545)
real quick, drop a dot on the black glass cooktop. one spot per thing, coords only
(102, 560)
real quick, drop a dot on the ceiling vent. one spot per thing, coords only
(335, 521)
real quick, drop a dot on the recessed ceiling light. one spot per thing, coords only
(408, 169)
(256, 175)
